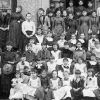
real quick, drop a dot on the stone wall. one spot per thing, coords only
(32, 6)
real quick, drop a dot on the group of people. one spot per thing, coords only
(57, 59)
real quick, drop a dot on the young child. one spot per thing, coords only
(90, 84)
(56, 53)
(77, 84)
(34, 83)
(79, 52)
(92, 63)
(83, 41)
(15, 91)
(80, 65)
(44, 92)
(66, 52)
(61, 41)
(55, 84)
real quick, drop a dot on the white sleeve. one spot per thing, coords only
(23, 28)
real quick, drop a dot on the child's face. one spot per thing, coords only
(65, 62)
(9, 47)
(17, 75)
(23, 58)
(55, 47)
(94, 14)
(49, 34)
(44, 74)
(73, 37)
(33, 74)
(80, 61)
(66, 46)
(82, 36)
(39, 31)
(93, 36)
(66, 75)
(54, 74)
(50, 14)
(62, 37)
(64, 13)
(70, 16)
(93, 58)
(79, 45)
(89, 73)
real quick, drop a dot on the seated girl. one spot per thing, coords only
(55, 84)
(61, 41)
(34, 83)
(15, 91)
(90, 84)
(80, 65)
(77, 84)
(56, 53)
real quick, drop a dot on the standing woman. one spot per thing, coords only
(58, 25)
(15, 27)
(4, 28)
(84, 23)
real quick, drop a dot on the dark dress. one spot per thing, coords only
(15, 29)
(72, 27)
(4, 22)
(7, 76)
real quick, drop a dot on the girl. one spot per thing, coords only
(49, 40)
(90, 84)
(55, 84)
(34, 83)
(80, 65)
(15, 91)
(56, 53)
(83, 41)
(61, 41)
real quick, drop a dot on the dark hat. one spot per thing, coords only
(77, 72)
(9, 43)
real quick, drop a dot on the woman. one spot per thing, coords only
(58, 25)
(8, 69)
(4, 28)
(94, 22)
(15, 27)
(85, 24)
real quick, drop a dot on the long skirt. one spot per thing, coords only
(15, 33)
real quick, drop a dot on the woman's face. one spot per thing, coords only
(81, 3)
(9, 47)
(18, 9)
(70, 4)
(84, 13)
(58, 13)
(54, 74)
(90, 4)
(44, 74)
(64, 13)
